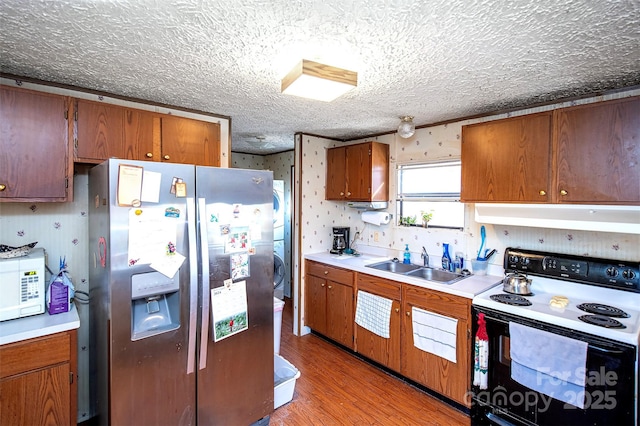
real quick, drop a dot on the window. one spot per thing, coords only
(431, 188)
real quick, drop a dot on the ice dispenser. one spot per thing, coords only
(155, 304)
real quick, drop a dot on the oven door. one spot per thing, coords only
(610, 389)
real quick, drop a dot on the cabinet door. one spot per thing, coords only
(141, 137)
(316, 303)
(336, 174)
(507, 160)
(340, 313)
(385, 351)
(34, 151)
(41, 397)
(598, 150)
(451, 379)
(99, 132)
(358, 170)
(189, 141)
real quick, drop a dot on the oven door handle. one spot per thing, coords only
(607, 351)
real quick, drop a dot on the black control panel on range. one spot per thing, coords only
(589, 270)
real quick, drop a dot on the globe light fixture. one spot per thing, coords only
(406, 129)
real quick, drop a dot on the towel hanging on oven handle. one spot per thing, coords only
(481, 354)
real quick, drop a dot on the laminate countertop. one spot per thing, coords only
(40, 325)
(467, 287)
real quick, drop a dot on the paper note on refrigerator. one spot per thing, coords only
(229, 309)
(152, 235)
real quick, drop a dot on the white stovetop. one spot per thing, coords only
(19, 329)
(468, 287)
(544, 289)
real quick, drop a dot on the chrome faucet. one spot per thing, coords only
(425, 257)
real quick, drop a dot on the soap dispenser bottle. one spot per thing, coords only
(407, 254)
(446, 257)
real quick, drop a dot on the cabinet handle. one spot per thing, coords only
(2, 187)
(543, 192)
(326, 272)
(166, 157)
(148, 155)
(563, 192)
(322, 285)
(342, 193)
(329, 287)
(348, 194)
(397, 310)
(408, 313)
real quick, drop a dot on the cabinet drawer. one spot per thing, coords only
(438, 302)
(33, 354)
(331, 273)
(379, 286)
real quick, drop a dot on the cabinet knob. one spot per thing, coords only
(322, 285)
(408, 313)
(543, 192)
(329, 287)
(326, 272)
(166, 157)
(342, 193)
(2, 187)
(397, 310)
(563, 192)
(348, 194)
(149, 155)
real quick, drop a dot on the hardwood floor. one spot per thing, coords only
(337, 388)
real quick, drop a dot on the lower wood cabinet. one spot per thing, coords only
(385, 351)
(38, 381)
(330, 310)
(329, 302)
(451, 379)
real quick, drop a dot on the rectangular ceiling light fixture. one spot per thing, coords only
(317, 81)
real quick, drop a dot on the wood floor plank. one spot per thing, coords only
(338, 388)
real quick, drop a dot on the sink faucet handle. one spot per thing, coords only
(425, 256)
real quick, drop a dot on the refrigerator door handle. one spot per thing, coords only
(193, 284)
(204, 250)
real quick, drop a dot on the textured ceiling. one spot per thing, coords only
(436, 60)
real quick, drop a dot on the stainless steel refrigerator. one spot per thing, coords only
(181, 294)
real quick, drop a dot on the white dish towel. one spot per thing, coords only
(548, 363)
(373, 313)
(434, 333)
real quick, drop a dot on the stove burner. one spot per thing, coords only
(602, 321)
(600, 309)
(510, 299)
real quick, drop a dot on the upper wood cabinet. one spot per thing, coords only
(598, 153)
(189, 141)
(34, 135)
(588, 154)
(104, 131)
(507, 160)
(358, 172)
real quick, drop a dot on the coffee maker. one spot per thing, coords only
(340, 239)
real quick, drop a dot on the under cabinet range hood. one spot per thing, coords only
(368, 205)
(605, 218)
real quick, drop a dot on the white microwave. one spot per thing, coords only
(23, 285)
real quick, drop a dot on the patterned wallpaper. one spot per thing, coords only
(428, 144)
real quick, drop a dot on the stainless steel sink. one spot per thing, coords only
(391, 266)
(438, 275)
(426, 273)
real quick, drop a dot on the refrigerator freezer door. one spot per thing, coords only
(235, 373)
(141, 320)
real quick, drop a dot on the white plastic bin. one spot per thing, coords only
(278, 306)
(284, 381)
